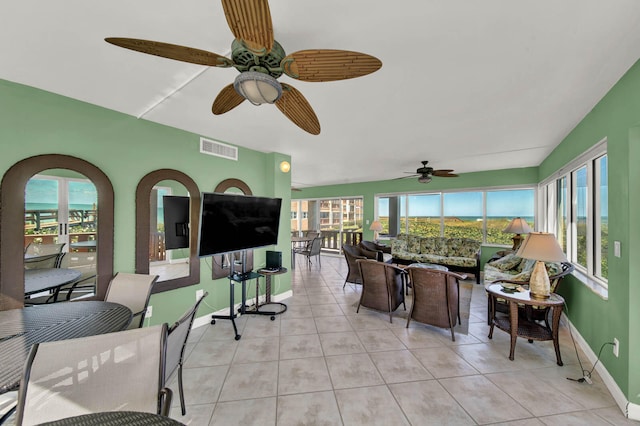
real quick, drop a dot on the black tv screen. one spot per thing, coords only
(176, 221)
(232, 222)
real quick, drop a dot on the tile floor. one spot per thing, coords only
(320, 363)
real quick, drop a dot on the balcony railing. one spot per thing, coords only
(334, 240)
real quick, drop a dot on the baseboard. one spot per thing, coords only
(632, 411)
(206, 319)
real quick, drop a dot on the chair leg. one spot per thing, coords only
(182, 406)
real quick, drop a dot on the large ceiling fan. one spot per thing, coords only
(261, 60)
(425, 173)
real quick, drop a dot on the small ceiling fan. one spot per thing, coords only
(425, 173)
(261, 60)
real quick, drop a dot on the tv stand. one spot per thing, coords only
(267, 274)
(242, 279)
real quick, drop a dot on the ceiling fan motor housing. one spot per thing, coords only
(246, 60)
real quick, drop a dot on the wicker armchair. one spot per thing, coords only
(382, 286)
(352, 254)
(536, 313)
(373, 246)
(436, 297)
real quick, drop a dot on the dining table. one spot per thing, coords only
(21, 328)
(116, 418)
(46, 279)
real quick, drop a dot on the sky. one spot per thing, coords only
(46, 191)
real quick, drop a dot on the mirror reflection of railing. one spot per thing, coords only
(157, 249)
(47, 219)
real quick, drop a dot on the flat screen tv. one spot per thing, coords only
(232, 222)
(176, 221)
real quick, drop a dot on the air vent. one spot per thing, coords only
(218, 149)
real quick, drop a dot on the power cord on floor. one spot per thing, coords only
(586, 375)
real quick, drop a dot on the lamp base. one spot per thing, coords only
(539, 285)
(517, 240)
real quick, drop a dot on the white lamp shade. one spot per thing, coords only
(541, 246)
(375, 226)
(258, 88)
(517, 226)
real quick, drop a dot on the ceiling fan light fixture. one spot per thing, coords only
(424, 179)
(258, 88)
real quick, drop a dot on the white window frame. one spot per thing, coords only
(547, 196)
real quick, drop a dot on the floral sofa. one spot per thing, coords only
(460, 254)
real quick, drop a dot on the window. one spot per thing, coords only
(340, 220)
(480, 215)
(502, 207)
(463, 215)
(578, 212)
(424, 215)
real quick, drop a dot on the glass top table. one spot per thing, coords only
(21, 328)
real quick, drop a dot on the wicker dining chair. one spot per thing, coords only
(382, 286)
(436, 297)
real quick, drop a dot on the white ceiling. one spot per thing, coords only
(468, 84)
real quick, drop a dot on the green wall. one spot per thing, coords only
(615, 117)
(34, 122)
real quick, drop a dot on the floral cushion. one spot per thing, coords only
(462, 247)
(398, 245)
(553, 268)
(413, 243)
(428, 245)
(525, 265)
(506, 263)
(460, 261)
(443, 251)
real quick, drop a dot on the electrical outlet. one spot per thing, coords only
(616, 248)
(616, 347)
(199, 294)
(149, 312)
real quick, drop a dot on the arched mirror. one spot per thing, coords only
(78, 222)
(167, 214)
(223, 264)
(60, 235)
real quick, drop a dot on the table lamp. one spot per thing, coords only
(376, 227)
(517, 226)
(542, 247)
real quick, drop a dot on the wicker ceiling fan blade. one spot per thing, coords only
(172, 51)
(226, 100)
(250, 21)
(329, 65)
(444, 173)
(297, 109)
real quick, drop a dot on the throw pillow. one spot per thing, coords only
(507, 262)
